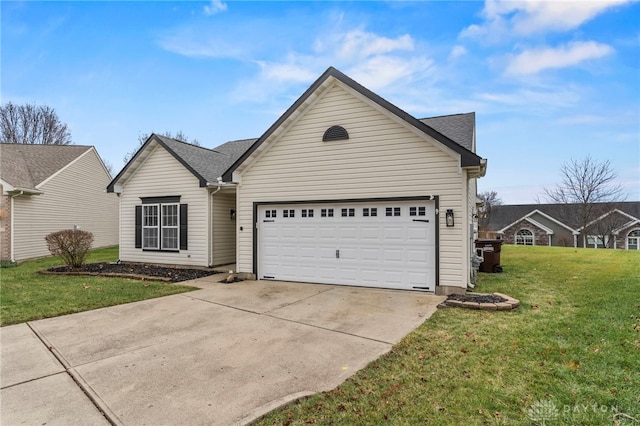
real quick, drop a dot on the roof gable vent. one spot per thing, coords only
(335, 133)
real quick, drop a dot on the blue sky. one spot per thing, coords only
(549, 81)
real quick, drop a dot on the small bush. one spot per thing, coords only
(71, 245)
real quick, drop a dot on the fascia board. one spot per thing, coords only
(402, 122)
(202, 181)
(554, 220)
(287, 124)
(608, 214)
(549, 231)
(133, 164)
(626, 225)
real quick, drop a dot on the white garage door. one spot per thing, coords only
(377, 244)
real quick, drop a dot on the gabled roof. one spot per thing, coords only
(27, 166)
(528, 217)
(503, 216)
(207, 165)
(467, 157)
(609, 213)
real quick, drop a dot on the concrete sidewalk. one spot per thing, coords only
(224, 354)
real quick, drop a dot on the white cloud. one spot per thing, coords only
(375, 61)
(286, 72)
(361, 44)
(505, 19)
(383, 71)
(534, 100)
(216, 6)
(536, 60)
(457, 52)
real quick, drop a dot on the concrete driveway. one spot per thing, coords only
(224, 354)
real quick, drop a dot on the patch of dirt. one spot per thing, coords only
(135, 270)
(479, 298)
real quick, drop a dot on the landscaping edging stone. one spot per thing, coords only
(508, 303)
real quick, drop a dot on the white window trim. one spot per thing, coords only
(532, 236)
(595, 239)
(159, 241)
(636, 238)
(163, 227)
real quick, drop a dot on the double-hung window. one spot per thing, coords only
(161, 224)
(150, 231)
(169, 228)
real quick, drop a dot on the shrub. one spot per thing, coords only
(71, 245)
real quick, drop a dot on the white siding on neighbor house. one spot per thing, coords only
(161, 175)
(74, 196)
(381, 158)
(224, 228)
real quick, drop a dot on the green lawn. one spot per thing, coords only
(570, 355)
(26, 295)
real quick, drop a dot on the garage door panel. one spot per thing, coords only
(379, 251)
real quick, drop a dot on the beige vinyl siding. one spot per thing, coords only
(74, 196)
(161, 175)
(224, 228)
(381, 158)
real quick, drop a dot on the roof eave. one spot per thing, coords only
(467, 158)
(154, 138)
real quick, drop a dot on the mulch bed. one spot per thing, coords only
(478, 298)
(135, 271)
(487, 302)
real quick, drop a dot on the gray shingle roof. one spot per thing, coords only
(208, 163)
(236, 148)
(26, 166)
(205, 164)
(504, 215)
(458, 127)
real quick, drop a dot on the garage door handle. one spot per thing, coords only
(268, 221)
(421, 220)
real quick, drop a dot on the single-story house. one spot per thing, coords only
(174, 209)
(611, 225)
(344, 188)
(48, 188)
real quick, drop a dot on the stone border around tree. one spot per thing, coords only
(508, 305)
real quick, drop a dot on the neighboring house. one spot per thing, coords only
(344, 188)
(48, 188)
(614, 225)
(173, 208)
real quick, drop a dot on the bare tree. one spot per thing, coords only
(590, 186)
(32, 124)
(489, 199)
(142, 138)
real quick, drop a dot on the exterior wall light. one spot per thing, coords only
(449, 218)
(232, 214)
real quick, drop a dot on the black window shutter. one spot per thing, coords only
(183, 226)
(138, 226)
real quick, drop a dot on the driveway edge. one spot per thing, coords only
(259, 412)
(77, 379)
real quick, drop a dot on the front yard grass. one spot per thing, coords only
(26, 295)
(570, 355)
